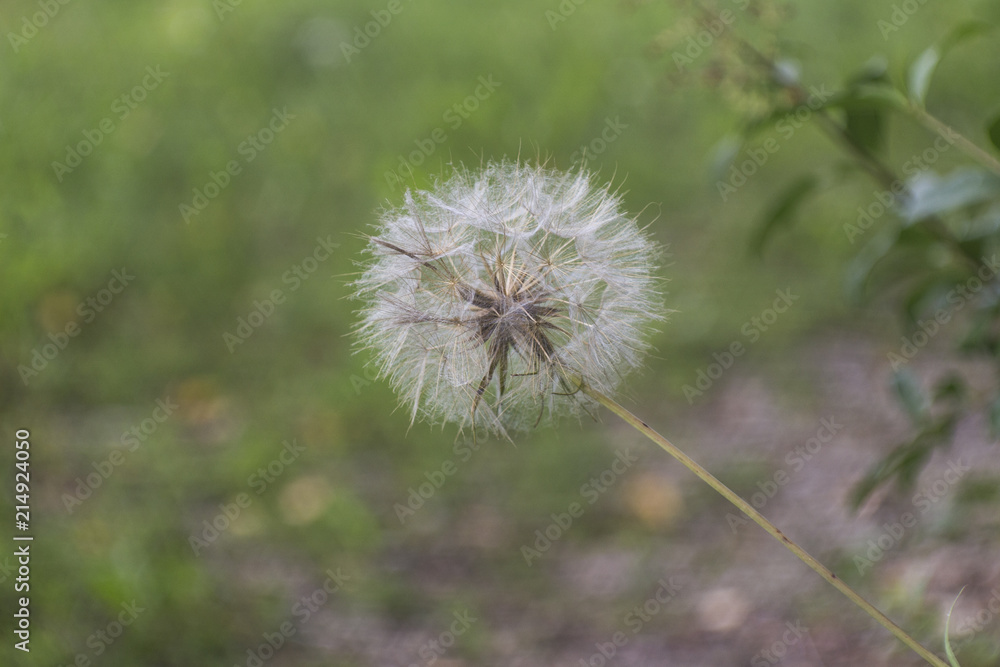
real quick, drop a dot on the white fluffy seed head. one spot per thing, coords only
(491, 297)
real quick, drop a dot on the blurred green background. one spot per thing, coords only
(186, 189)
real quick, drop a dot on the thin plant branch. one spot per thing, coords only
(950, 134)
(869, 162)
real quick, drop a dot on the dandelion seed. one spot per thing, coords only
(491, 298)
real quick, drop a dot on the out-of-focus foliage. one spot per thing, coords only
(935, 254)
(187, 184)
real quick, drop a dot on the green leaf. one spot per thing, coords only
(865, 125)
(981, 336)
(947, 625)
(993, 130)
(921, 72)
(910, 395)
(951, 388)
(995, 418)
(925, 296)
(860, 267)
(922, 69)
(905, 457)
(782, 211)
(984, 225)
(933, 195)
(892, 240)
(905, 462)
(964, 31)
(723, 154)
(984, 490)
(865, 120)
(875, 69)
(885, 95)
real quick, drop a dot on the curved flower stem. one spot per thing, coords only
(749, 510)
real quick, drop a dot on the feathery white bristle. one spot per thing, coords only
(531, 264)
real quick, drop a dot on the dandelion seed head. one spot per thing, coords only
(491, 297)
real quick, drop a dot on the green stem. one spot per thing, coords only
(952, 136)
(934, 225)
(749, 510)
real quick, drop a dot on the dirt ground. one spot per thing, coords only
(694, 584)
